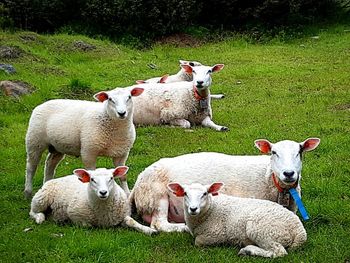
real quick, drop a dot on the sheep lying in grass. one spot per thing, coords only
(258, 177)
(179, 103)
(182, 75)
(81, 128)
(95, 200)
(262, 227)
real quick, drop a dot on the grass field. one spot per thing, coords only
(276, 90)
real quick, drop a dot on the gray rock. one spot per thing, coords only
(10, 52)
(8, 68)
(83, 45)
(16, 88)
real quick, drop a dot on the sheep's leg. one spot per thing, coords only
(118, 161)
(130, 222)
(160, 219)
(276, 250)
(207, 122)
(181, 122)
(38, 206)
(89, 161)
(217, 96)
(203, 240)
(52, 160)
(33, 159)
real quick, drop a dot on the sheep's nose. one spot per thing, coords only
(122, 113)
(288, 174)
(200, 82)
(193, 209)
(103, 192)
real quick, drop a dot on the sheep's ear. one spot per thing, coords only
(136, 91)
(163, 78)
(120, 171)
(83, 175)
(187, 68)
(310, 144)
(214, 188)
(140, 81)
(263, 145)
(101, 96)
(176, 189)
(217, 67)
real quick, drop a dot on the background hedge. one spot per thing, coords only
(152, 18)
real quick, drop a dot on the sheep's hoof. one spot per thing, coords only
(244, 252)
(27, 194)
(224, 129)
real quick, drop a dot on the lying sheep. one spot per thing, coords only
(95, 200)
(182, 75)
(179, 103)
(262, 227)
(81, 128)
(260, 177)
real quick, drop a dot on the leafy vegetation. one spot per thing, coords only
(276, 90)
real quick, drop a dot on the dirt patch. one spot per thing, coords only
(345, 106)
(81, 45)
(28, 37)
(51, 71)
(180, 40)
(7, 52)
(16, 88)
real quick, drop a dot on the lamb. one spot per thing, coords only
(262, 227)
(81, 128)
(95, 201)
(182, 75)
(180, 103)
(260, 177)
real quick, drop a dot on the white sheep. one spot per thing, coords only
(179, 103)
(95, 200)
(263, 228)
(243, 176)
(182, 75)
(81, 128)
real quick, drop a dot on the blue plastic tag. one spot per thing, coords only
(299, 203)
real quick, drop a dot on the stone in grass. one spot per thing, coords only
(8, 68)
(79, 44)
(15, 88)
(7, 52)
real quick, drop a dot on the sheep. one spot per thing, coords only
(182, 75)
(81, 128)
(259, 177)
(262, 227)
(180, 103)
(94, 201)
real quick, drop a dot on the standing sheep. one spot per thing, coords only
(95, 200)
(182, 75)
(260, 177)
(179, 103)
(81, 128)
(262, 227)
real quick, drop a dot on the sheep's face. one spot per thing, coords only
(196, 196)
(202, 74)
(118, 102)
(286, 157)
(101, 181)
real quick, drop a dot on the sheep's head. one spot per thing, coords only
(202, 74)
(286, 157)
(196, 196)
(101, 181)
(191, 63)
(118, 101)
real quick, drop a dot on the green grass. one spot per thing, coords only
(289, 90)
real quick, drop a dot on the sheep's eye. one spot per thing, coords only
(129, 97)
(110, 99)
(209, 71)
(92, 180)
(191, 64)
(273, 152)
(111, 178)
(205, 194)
(185, 194)
(193, 71)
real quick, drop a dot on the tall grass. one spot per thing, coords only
(276, 90)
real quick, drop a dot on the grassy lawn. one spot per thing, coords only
(277, 90)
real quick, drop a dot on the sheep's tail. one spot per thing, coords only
(300, 237)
